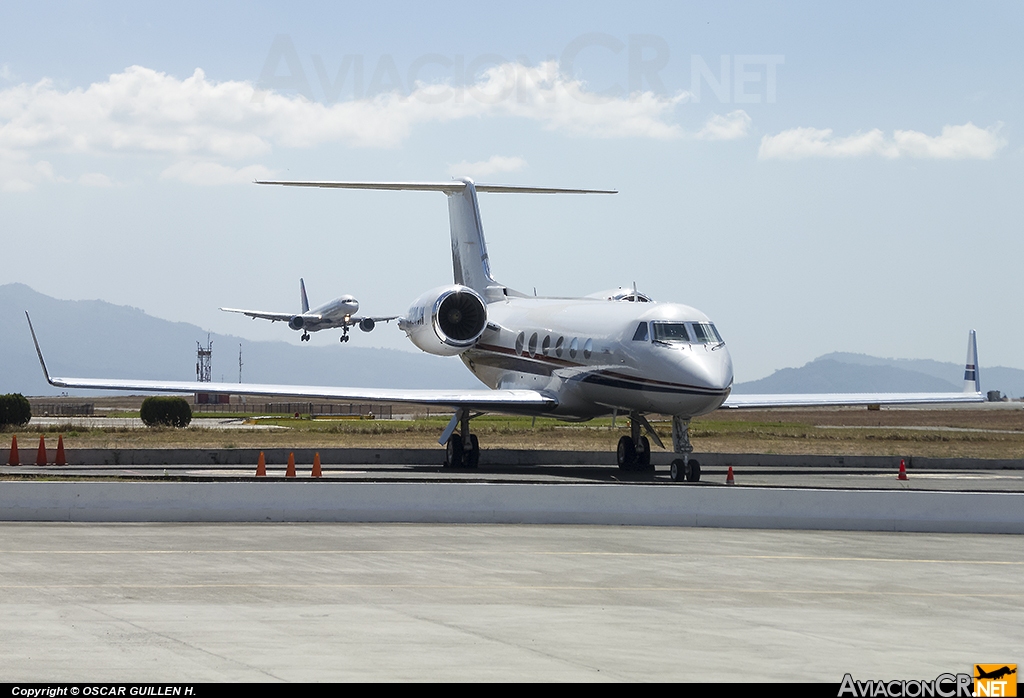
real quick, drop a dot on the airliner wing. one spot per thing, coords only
(262, 314)
(530, 401)
(971, 392)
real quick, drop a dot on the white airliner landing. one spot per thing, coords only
(571, 358)
(341, 312)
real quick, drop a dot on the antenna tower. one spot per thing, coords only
(204, 359)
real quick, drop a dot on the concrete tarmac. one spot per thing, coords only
(411, 602)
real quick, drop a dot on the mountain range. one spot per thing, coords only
(100, 339)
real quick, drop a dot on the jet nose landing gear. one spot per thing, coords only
(685, 468)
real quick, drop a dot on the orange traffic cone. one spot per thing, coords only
(291, 466)
(60, 459)
(261, 466)
(14, 460)
(41, 454)
(729, 479)
(903, 470)
(316, 466)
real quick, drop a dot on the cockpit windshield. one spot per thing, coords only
(674, 332)
(706, 333)
(670, 332)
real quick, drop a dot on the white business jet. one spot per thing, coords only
(571, 358)
(341, 312)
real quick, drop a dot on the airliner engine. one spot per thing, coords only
(446, 321)
(297, 323)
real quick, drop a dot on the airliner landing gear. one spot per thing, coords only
(462, 450)
(344, 334)
(304, 337)
(634, 451)
(684, 468)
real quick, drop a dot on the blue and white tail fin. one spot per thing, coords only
(302, 293)
(972, 376)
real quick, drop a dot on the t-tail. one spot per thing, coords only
(302, 293)
(972, 376)
(469, 250)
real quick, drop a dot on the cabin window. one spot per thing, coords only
(520, 341)
(574, 347)
(588, 349)
(641, 333)
(533, 344)
(558, 346)
(546, 345)
(670, 332)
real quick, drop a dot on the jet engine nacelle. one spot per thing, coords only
(296, 323)
(446, 321)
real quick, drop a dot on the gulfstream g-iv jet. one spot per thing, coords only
(570, 358)
(340, 313)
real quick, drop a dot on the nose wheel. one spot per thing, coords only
(684, 469)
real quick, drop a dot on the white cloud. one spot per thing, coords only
(142, 110)
(95, 179)
(485, 168)
(955, 143)
(733, 125)
(213, 173)
(18, 172)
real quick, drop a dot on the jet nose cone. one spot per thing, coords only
(714, 368)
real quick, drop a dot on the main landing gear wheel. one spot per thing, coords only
(456, 455)
(631, 458)
(688, 470)
(304, 337)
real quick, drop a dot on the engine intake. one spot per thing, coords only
(446, 321)
(461, 317)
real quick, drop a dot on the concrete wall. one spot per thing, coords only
(620, 504)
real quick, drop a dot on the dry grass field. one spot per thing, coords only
(943, 433)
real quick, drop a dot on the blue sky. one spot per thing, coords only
(837, 178)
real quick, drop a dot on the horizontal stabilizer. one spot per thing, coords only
(446, 187)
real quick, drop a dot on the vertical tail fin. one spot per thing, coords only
(972, 377)
(469, 251)
(302, 293)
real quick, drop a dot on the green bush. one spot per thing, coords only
(165, 412)
(14, 410)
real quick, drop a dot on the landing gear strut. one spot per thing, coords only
(304, 337)
(684, 468)
(344, 334)
(634, 451)
(461, 450)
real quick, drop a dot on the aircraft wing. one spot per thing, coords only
(529, 401)
(971, 392)
(266, 315)
(737, 401)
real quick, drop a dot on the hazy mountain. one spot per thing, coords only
(841, 372)
(99, 339)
